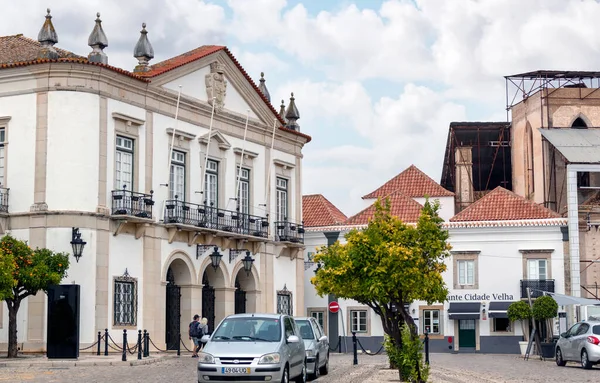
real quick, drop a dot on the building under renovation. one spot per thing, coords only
(548, 151)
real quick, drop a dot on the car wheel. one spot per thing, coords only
(302, 377)
(325, 369)
(315, 373)
(559, 358)
(585, 362)
(285, 377)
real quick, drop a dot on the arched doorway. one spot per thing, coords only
(208, 302)
(173, 311)
(246, 293)
(240, 298)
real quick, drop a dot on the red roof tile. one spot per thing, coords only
(412, 182)
(503, 205)
(402, 206)
(318, 211)
(18, 48)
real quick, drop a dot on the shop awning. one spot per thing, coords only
(566, 300)
(498, 309)
(464, 310)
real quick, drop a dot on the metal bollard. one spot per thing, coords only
(339, 347)
(179, 345)
(105, 342)
(139, 344)
(426, 348)
(99, 340)
(146, 353)
(355, 361)
(147, 344)
(124, 357)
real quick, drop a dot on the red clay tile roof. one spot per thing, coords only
(503, 205)
(413, 183)
(18, 48)
(318, 211)
(402, 206)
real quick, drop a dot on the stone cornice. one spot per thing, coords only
(128, 119)
(104, 82)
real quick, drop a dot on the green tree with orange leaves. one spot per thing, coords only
(24, 272)
(386, 266)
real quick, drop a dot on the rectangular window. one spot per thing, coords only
(431, 321)
(124, 303)
(2, 156)
(177, 179)
(319, 316)
(124, 163)
(284, 302)
(282, 199)
(536, 269)
(211, 183)
(466, 273)
(501, 325)
(358, 321)
(244, 190)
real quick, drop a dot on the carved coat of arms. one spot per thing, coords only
(216, 86)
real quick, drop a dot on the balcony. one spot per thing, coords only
(129, 204)
(537, 287)
(209, 218)
(4, 200)
(291, 232)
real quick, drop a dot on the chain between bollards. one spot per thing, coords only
(139, 344)
(355, 350)
(124, 357)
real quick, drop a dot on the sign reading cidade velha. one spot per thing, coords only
(479, 297)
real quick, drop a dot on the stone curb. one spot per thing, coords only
(84, 363)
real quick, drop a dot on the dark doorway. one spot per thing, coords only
(173, 320)
(466, 333)
(63, 322)
(240, 298)
(208, 303)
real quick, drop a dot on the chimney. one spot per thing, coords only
(143, 51)
(48, 37)
(98, 42)
(263, 88)
(292, 114)
(463, 159)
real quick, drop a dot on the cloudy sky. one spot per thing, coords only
(377, 82)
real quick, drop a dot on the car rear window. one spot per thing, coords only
(596, 329)
(305, 329)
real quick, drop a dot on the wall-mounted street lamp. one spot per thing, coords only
(248, 261)
(215, 258)
(77, 243)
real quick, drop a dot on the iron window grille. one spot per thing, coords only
(125, 300)
(284, 301)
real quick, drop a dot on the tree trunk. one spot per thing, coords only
(13, 309)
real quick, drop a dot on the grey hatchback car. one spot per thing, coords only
(581, 343)
(253, 348)
(316, 344)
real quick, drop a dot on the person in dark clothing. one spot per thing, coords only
(195, 335)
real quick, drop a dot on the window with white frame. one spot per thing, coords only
(501, 325)
(124, 163)
(177, 179)
(211, 183)
(319, 316)
(466, 272)
(537, 269)
(282, 199)
(125, 301)
(244, 190)
(431, 321)
(2, 156)
(358, 321)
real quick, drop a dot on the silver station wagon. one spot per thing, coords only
(316, 344)
(253, 348)
(581, 343)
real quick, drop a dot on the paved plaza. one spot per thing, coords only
(452, 368)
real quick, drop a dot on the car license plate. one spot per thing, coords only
(235, 370)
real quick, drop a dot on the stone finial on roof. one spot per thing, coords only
(263, 88)
(48, 37)
(292, 114)
(98, 42)
(143, 51)
(282, 111)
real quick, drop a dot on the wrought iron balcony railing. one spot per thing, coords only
(537, 287)
(210, 217)
(286, 231)
(132, 204)
(4, 200)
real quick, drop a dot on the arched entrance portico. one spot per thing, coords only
(213, 296)
(246, 294)
(178, 275)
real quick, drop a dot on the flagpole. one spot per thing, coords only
(269, 172)
(203, 178)
(237, 188)
(171, 150)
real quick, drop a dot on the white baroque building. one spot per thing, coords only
(155, 168)
(501, 244)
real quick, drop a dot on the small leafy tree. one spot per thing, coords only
(387, 265)
(412, 349)
(520, 311)
(544, 310)
(25, 272)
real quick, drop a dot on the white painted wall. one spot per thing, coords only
(446, 206)
(20, 161)
(72, 163)
(284, 273)
(194, 85)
